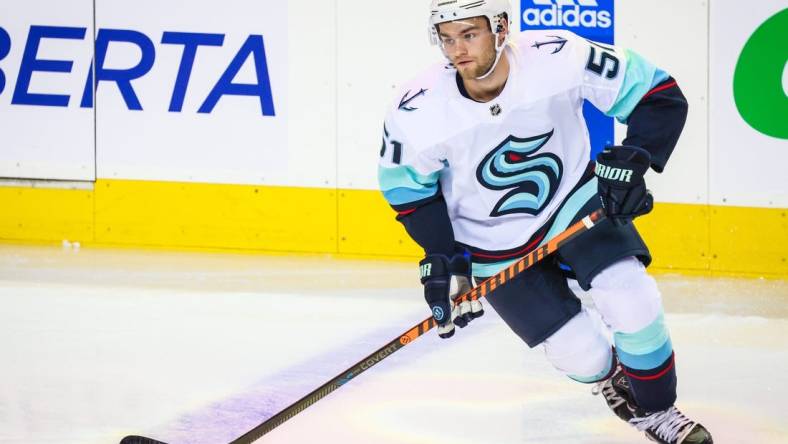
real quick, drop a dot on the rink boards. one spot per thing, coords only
(256, 126)
(688, 238)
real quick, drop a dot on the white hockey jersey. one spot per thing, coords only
(507, 165)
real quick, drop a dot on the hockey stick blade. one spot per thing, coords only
(481, 290)
(134, 439)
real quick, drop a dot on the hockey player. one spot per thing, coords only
(487, 158)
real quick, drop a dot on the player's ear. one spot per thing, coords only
(503, 24)
(502, 28)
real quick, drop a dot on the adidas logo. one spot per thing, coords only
(566, 13)
(562, 3)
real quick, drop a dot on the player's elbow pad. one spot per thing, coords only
(657, 121)
(429, 225)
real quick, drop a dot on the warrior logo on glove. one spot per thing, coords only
(622, 189)
(619, 174)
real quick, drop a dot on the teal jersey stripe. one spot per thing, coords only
(659, 77)
(645, 341)
(648, 361)
(487, 270)
(404, 176)
(568, 211)
(402, 196)
(639, 78)
(403, 184)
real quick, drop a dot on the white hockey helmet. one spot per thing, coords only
(442, 11)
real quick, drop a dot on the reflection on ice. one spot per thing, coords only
(200, 347)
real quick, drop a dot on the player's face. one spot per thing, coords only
(470, 45)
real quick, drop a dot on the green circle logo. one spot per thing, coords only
(758, 88)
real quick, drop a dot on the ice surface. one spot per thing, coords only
(200, 347)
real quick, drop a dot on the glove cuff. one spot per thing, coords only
(623, 165)
(440, 265)
(460, 263)
(433, 266)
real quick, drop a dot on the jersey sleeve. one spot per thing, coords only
(408, 174)
(624, 85)
(615, 79)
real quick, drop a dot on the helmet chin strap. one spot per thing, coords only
(498, 53)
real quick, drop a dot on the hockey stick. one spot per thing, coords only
(480, 291)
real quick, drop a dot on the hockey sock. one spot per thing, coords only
(649, 362)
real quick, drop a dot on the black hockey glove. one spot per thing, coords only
(620, 171)
(445, 278)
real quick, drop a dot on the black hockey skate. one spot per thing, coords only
(671, 427)
(617, 394)
(666, 427)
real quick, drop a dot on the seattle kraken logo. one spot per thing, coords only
(533, 179)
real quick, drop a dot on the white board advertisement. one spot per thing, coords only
(640, 26)
(749, 103)
(194, 91)
(292, 94)
(45, 53)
